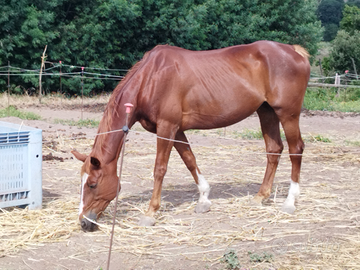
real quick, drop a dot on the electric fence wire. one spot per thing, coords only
(16, 71)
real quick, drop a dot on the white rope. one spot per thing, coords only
(163, 138)
(93, 221)
(255, 153)
(167, 139)
(111, 131)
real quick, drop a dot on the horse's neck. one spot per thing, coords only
(108, 143)
(114, 118)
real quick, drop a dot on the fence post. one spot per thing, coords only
(41, 69)
(321, 72)
(8, 86)
(60, 78)
(60, 85)
(337, 79)
(82, 91)
(352, 59)
(337, 82)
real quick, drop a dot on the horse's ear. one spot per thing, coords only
(79, 156)
(95, 162)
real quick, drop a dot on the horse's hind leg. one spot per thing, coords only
(290, 123)
(271, 132)
(188, 157)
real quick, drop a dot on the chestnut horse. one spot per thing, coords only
(173, 90)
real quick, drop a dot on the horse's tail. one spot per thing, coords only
(300, 50)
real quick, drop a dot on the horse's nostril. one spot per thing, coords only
(87, 226)
(83, 224)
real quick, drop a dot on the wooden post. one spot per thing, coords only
(82, 91)
(41, 69)
(8, 88)
(337, 82)
(321, 69)
(60, 85)
(60, 78)
(337, 79)
(352, 59)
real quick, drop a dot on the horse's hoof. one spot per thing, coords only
(202, 207)
(256, 201)
(288, 208)
(147, 221)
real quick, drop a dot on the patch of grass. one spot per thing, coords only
(231, 260)
(220, 132)
(332, 99)
(80, 123)
(251, 134)
(352, 143)
(193, 131)
(12, 111)
(317, 138)
(320, 138)
(264, 257)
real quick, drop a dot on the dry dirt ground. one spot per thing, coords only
(324, 233)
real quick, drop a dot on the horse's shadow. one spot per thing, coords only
(176, 195)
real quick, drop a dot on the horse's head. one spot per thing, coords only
(98, 187)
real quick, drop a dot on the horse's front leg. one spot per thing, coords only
(188, 157)
(161, 162)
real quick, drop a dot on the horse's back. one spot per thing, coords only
(258, 62)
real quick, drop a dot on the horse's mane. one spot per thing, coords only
(113, 104)
(128, 76)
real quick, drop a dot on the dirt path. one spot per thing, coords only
(323, 234)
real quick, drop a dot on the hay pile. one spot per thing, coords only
(23, 228)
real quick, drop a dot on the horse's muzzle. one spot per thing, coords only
(87, 225)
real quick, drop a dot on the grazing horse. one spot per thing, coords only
(173, 90)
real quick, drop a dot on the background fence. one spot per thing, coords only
(51, 78)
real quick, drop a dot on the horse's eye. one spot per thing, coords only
(92, 186)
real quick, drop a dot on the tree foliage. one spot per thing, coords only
(116, 33)
(329, 11)
(353, 3)
(351, 20)
(345, 47)
(330, 15)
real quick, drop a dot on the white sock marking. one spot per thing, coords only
(83, 183)
(294, 192)
(204, 189)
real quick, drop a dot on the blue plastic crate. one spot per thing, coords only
(20, 166)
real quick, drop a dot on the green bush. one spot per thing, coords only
(345, 47)
(332, 99)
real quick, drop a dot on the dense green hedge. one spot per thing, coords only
(116, 33)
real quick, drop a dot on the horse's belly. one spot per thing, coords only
(218, 115)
